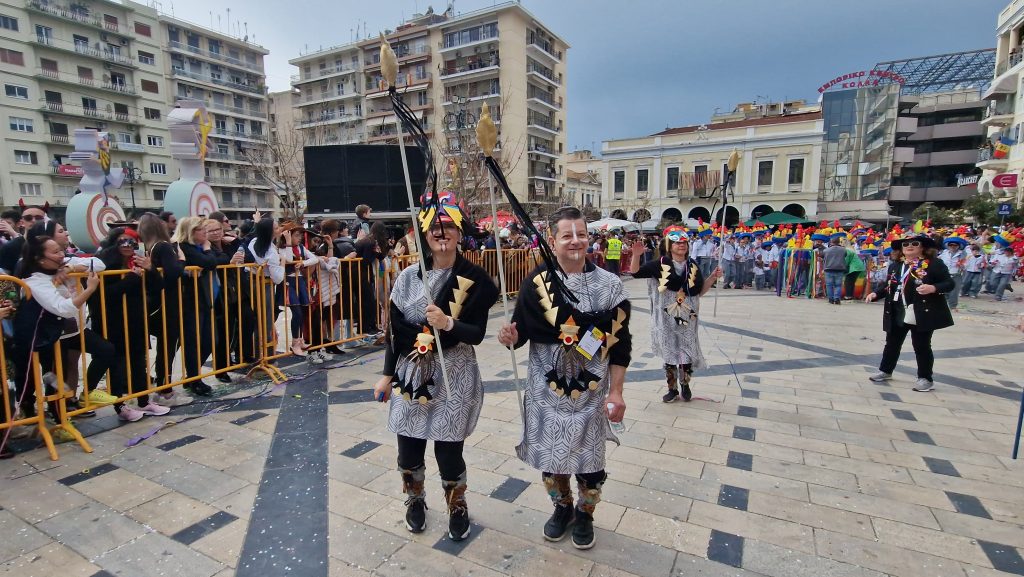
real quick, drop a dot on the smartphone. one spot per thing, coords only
(140, 252)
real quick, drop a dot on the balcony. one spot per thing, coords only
(999, 113)
(61, 139)
(128, 147)
(237, 179)
(543, 99)
(987, 161)
(66, 13)
(76, 80)
(237, 134)
(542, 73)
(484, 34)
(226, 157)
(543, 124)
(403, 54)
(327, 97)
(471, 67)
(541, 150)
(327, 119)
(409, 81)
(85, 50)
(236, 110)
(220, 82)
(542, 47)
(323, 73)
(68, 109)
(175, 46)
(1005, 81)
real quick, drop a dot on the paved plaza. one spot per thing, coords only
(788, 463)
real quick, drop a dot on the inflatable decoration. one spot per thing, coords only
(90, 213)
(190, 195)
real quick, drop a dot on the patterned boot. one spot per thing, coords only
(583, 530)
(561, 495)
(458, 512)
(415, 501)
(671, 377)
(687, 374)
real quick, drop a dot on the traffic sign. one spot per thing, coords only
(1005, 209)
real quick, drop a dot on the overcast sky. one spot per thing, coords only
(639, 66)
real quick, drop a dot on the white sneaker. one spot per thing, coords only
(924, 386)
(314, 359)
(175, 399)
(129, 414)
(155, 409)
(880, 376)
(324, 355)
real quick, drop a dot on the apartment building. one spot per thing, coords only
(449, 66)
(227, 75)
(94, 64)
(1004, 118)
(671, 175)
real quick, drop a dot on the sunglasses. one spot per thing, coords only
(912, 243)
(128, 242)
(31, 217)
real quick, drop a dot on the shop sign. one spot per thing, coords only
(1005, 180)
(70, 170)
(862, 79)
(971, 180)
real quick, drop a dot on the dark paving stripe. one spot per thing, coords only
(750, 394)
(648, 355)
(753, 357)
(197, 531)
(88, 474)
(891, 397)
(919, 437)
(745, 411)
(968, 505)
(726, 548)
(752, 379)
(737, 460)
(1003, 557)
(360, 449)
(1009, 384)
(757, 349)
(249, 418)
(179, 443)
(450, 547)
(733, 497)
(989, 371)
(903, 415)
(941, 466)
(510, 489)
(287, 533)
(103, 573)
(745, 433)
(503, 374)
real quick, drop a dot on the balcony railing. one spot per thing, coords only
(479, 63)
(543, 123)
(376, 84)
(66, 13)
(257, 112)
(1009, 63)
(175, 45)
(237, 133)
(986, 154)
(548, 74)
(999, 109)
(402, 54)
(89, 112)
(60, 139)
(330, 118)
(85, 81)
(253, 88)
(320, 73)
(85, 50)
(543, 45)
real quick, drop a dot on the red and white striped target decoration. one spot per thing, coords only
(190, 198)
(89, 219)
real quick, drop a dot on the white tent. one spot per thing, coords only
(651, 226)
(606, 224)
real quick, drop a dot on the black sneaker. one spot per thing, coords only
(687, 393)
(415, 514)
(224, 377)
(670, 396)
(583, 531)
(559, 523)
(200, 388)
(458, 524)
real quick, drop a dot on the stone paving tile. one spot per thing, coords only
(782, 562)
(92, 529)
(885, 557)
(755, 481)
(361, 545)
(873, 506)
(519, 558)
(155, 555)
(672, 533)
(19, 537)
(121, 490)
(929, 541)
(752, 525)
(810, 514)
(981, 529)
(49, 561)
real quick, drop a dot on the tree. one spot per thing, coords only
(939, 216)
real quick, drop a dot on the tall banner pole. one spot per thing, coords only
(734, 161)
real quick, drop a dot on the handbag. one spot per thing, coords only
(909, 317)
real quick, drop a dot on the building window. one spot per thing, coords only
(8, 56)
(15, 91)
(150, 86)
(700, 179)
(146, 58)
(796, 171)
(764, 172)
(157, 168)
(641, 179)
(155, 141)
(8, 23)
(25, 157)
(672, 178)
(143, 30)
(158, 194)
(620, 181)
(65, 191)
(21, 124)
(152, 113)
(30, 189)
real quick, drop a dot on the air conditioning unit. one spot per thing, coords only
(124, 42)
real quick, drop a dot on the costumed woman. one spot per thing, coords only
(914, 303)
(675, 286)
(427, 405)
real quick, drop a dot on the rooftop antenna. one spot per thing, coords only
(172, 9)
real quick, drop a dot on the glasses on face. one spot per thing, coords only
(128, 242)
(912, 243)
(30, 217)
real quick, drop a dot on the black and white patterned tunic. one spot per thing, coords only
(562, 434)
(453, 411)
(674, 342)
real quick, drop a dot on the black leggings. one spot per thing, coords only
(450, 463)
(104, 358)
(922, 341)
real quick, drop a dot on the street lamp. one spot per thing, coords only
(133, 174)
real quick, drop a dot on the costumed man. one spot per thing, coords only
(577, 322)
(675, 286)
(428, 404)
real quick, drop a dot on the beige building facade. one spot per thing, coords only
(671, 175)
(449, 66)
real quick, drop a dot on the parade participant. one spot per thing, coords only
(675, 286)
(834, 262)
(974, 270)
(855, 269)
(955, 259)
(613, 254)
(577, 322)
(730, 262)
(745, 252)
(703, 249)
(1004, 264)
(914, 304)
(762, 265)
(426, 404)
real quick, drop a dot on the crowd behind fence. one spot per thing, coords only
(149, 336)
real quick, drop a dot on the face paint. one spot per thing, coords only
(575, 253)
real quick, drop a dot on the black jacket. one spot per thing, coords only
(205, 259)
(931, 311)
